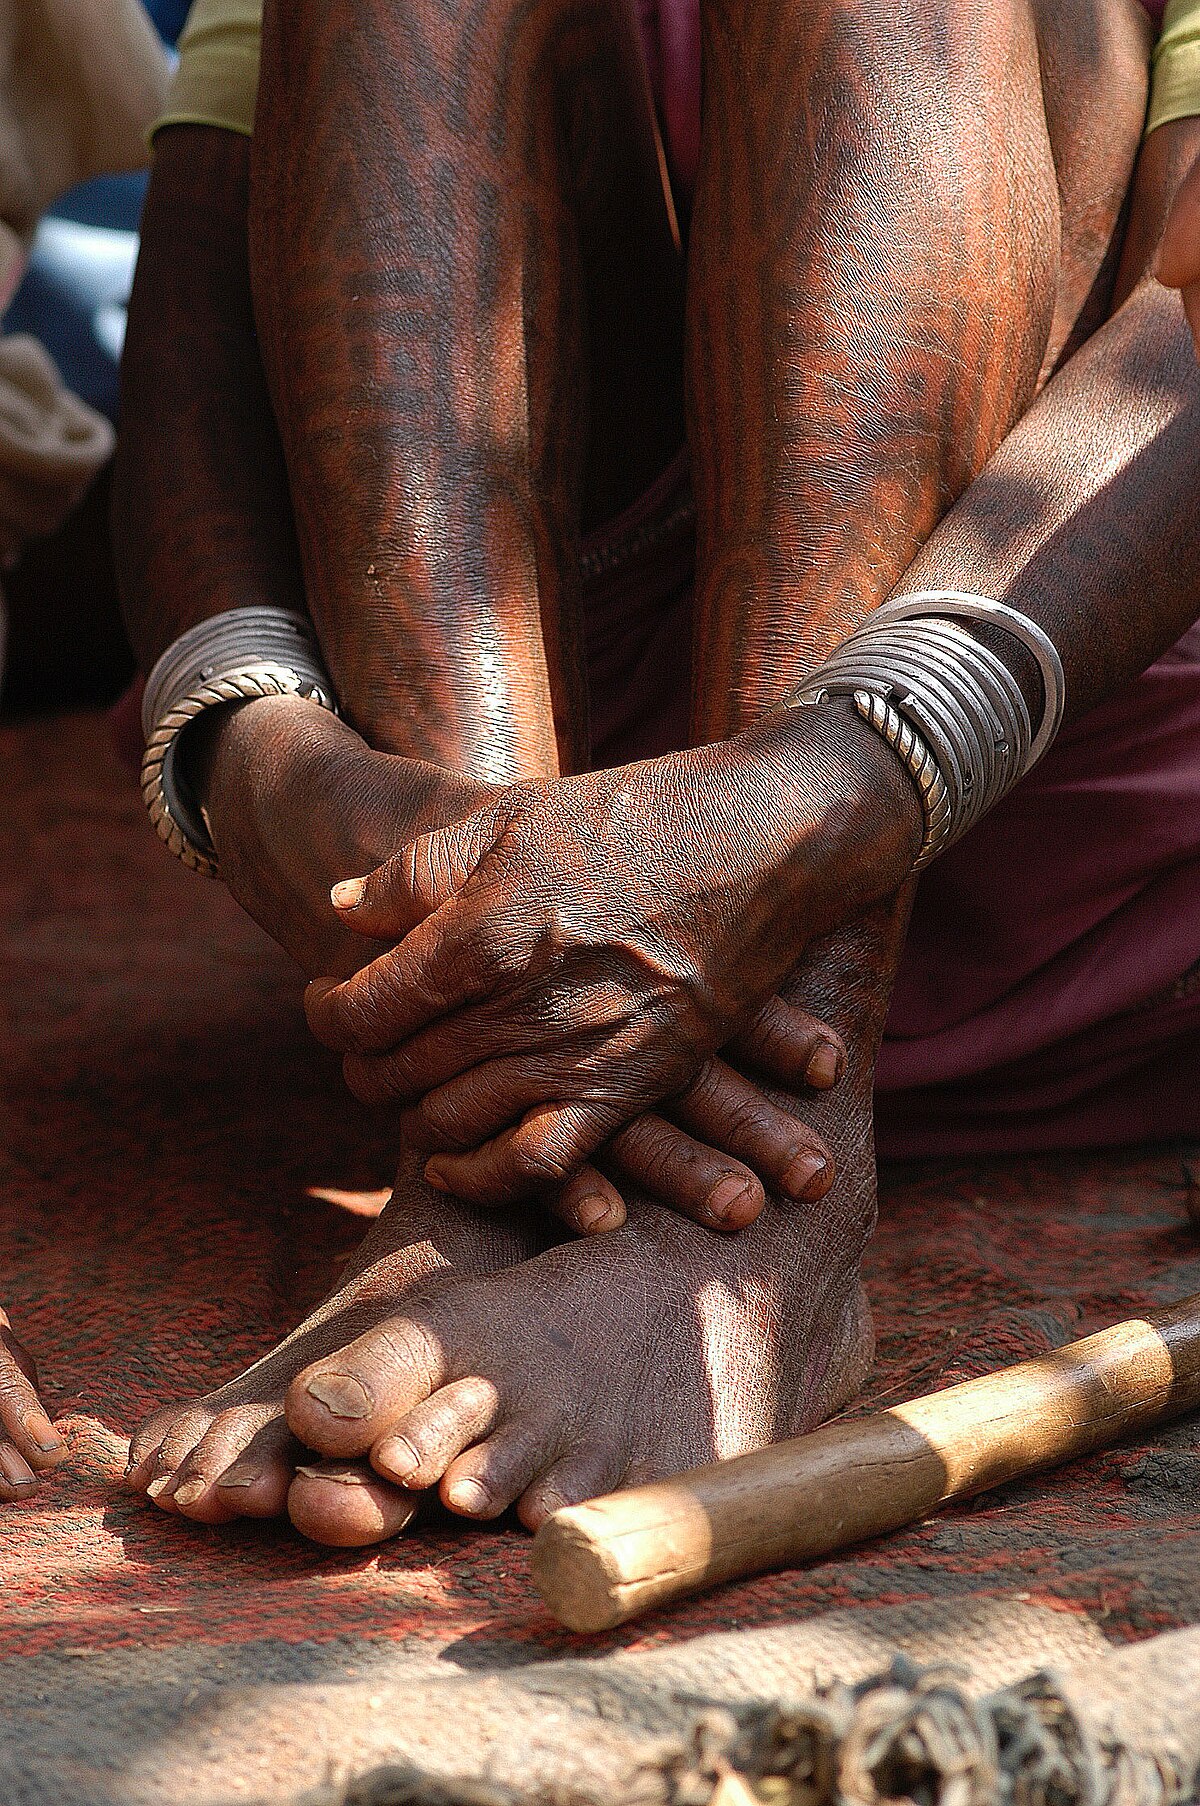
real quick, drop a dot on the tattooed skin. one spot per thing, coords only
(420, 252)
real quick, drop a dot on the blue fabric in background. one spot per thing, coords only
(74, 294)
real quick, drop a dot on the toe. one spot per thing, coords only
(343, 1404)
(417, 1451)
(485, 1480)
(343, 1504)
(156, 1473)
(17, 1478)
(585, 1474)
(241, 1467)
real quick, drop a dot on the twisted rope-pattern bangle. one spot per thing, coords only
(920, 764)
(178, 825)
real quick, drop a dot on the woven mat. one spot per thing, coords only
(180, 1174)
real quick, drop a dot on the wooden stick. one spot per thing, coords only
(596, 1565)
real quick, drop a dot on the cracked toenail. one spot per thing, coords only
(237, 1475)
(824, 1066)
(398, 1457)
(591, 1212)
(349, 893)
(341, 1394)
(468, 1496)
(189, 1492)
(159, 1486)
(42, 1433)
(724, 1196)
(340, 1476)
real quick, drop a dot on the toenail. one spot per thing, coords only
(349, 893)
(341, 1394)
(159, 1486)
(340, 1476)
(825, 1066)
(805, 1176)
(398, 1458)
(724, 1196)
(468, 1496)
(591, 1212)
(237, 1475)
(16, 1471)
(42, 1433)
(189, 1492)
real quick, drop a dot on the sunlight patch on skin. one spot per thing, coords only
(355, 1203)
(725, 1319)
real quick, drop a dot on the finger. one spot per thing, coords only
(725, 1109)
(791, 1048)
(23, 1421)
(452, 958)
(467, 1064)
(389, 902)
(1178, 261)
(588, 1203)
(698, 1181)
(540, 1152)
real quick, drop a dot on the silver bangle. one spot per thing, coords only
(232, 657)
(910, 665)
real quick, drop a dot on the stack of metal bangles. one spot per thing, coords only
(232, 657)
(946, 704)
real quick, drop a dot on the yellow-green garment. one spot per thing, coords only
(1175, 89)
(217, 79)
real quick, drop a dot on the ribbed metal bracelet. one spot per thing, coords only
(237, 656)
(909, 666)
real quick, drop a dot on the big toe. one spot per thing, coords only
(341, 1405)
(343, 1504)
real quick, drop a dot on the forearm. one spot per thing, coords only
(202, 515)
(1085, 518)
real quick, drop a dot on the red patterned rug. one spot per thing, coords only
(180, 1175)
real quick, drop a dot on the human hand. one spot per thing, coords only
(293, 797)
(1178, 264)
(606, 934)
(30, 1446)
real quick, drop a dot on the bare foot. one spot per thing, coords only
(30, 1446)
(649, 1350)
(231, 1454)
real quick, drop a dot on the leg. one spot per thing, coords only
(430, 309)
(762, 1336)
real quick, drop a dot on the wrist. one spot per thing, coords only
(852, 823)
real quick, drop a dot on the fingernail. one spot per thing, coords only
(16, 1471)
(825, 1066)
(237, 1475)
(725, 1196)
(468, 1496)
(806, 1177)
(340, 1476)
(42, 1433)
(592, 1212)
(157, 1487)
(434, 1178)
(348, 894)
(398, 1457)
(341, 1394)
(189, 1492)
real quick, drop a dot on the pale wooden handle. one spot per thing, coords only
(596, 1565)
